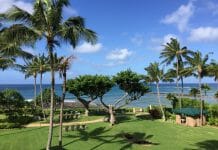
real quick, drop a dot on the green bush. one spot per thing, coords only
(46, 94)
(11, 101)
(9, 125)
(213, 114)
(155, 112)
(20, 119)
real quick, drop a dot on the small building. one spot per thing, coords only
(189, 116)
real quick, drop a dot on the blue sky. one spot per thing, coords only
(130, 34)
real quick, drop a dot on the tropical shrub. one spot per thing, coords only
(46, 94)
(11, 101)
(213, 114)
(155, 112)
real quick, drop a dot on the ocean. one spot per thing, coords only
(27, 90)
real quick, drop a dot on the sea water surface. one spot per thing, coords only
(27, 90)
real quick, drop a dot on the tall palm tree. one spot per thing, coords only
(42, 65)
(173, 52)
(63, 66)
(30, 69)
(46, 22)
(155, 74)
(198, 66)
(206, 88)
(213, 70)
(194, 92)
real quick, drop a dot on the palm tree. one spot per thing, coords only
(6, 62)
(155, 74)
(63, 66)
(213, 70)
(198, 66)
(9, 52)
(194, 92)
(206, 88)
(172, 51)
(42, 65)
(30, 69)
(46, 22)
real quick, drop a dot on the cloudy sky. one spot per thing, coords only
(130, 34)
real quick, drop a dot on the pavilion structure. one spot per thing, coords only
(189, 116)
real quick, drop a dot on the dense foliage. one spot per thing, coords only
(46, 94)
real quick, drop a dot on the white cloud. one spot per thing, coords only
(204, 34)
(180, 17)
(6, 4)
(157, 43)
(88, 48)
(137, 39)
(119, 54)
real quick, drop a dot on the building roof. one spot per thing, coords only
(189, 111)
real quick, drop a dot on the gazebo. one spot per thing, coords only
(189, 116)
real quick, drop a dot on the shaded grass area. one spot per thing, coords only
(100, 136)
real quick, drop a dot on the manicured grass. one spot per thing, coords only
(99, 136)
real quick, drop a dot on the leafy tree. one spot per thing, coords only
(47, 23)
(194, 92)
(206, 88)
(172, 51)
(198, 66)
(173, 99)
(155, 74)
(134, 87)
(88, 88)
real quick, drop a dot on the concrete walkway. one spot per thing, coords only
(64, 124)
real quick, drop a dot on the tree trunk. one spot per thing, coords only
(86, 112)
(61, 109)
(43, 112)
(35, 91)
(177, 83)
(182, 83)
(201, 101)
(85, 104)
(161, 107)
(50, 133)
(112, 117)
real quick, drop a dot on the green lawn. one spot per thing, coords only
(99, 136)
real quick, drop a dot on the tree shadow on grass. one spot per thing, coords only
(206, 145)
(100, 134)
(55, 148)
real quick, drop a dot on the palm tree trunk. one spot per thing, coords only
(61, 109)
(35, 90)
(161, 107)
(50, 132)
(177, 83)
(43, 112)
(182, 83)
(201, 101)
